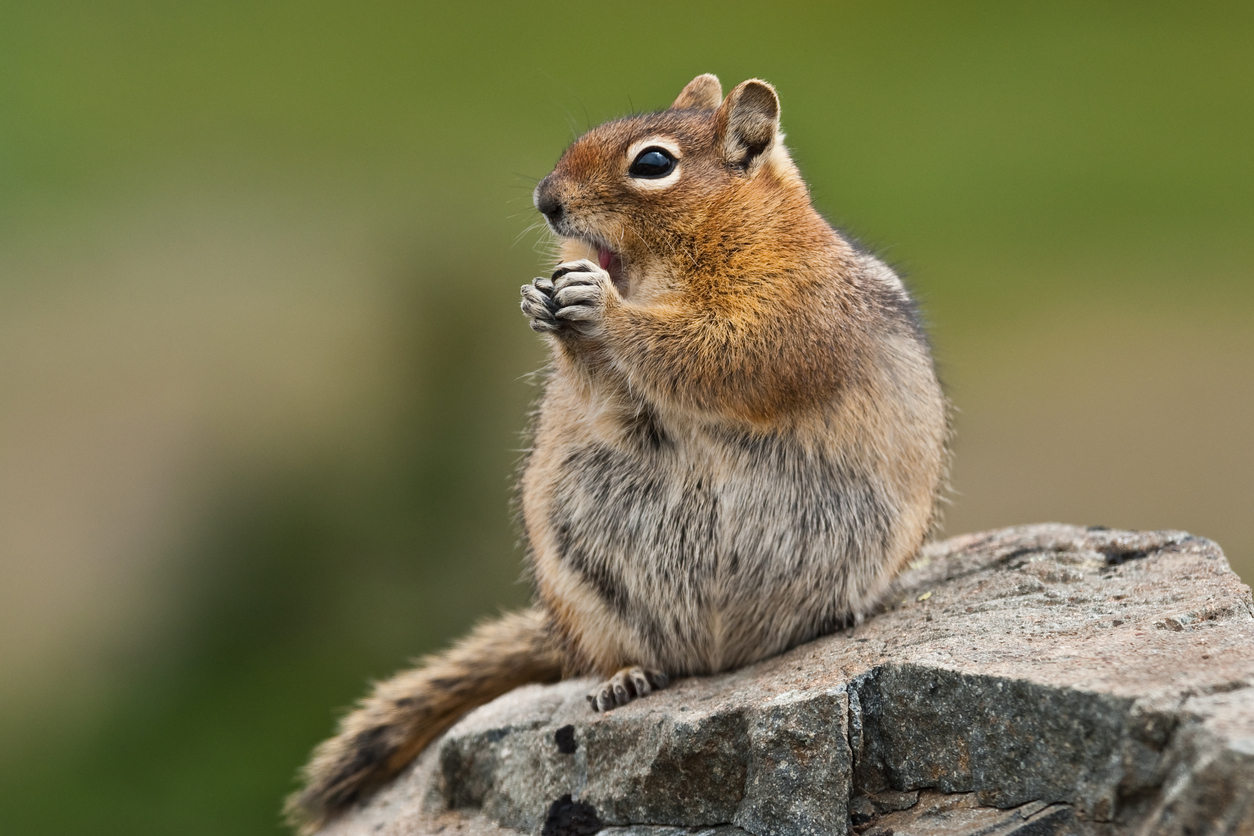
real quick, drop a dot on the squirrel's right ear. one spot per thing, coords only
(747, 123)
(702, 93)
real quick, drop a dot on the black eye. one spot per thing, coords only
(652, 163)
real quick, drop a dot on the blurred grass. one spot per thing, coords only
(1069, 188)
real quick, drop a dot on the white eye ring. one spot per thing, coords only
(663, 143)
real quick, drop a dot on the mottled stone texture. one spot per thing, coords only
(794, 786)
(1037, 680)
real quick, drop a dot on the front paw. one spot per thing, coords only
(574, 299)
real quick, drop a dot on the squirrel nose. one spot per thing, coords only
(547, 202)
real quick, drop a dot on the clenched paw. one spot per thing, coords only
(539, 306)
(573, 299)
(625, 686)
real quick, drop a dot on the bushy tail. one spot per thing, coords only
(405, 713)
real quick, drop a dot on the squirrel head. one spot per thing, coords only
(657, 195)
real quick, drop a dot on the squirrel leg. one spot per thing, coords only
(390, 727)
(625, 686)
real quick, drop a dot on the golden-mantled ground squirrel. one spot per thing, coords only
(740, 444)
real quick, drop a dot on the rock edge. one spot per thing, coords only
(1034, 680)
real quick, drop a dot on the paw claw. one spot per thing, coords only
(640, 682)
(577, 313)
(583, 265)
(539, 307)
(577, 294)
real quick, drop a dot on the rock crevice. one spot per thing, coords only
(1035, 680)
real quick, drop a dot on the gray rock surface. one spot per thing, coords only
(1037, 680)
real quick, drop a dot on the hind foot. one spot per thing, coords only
(625, 686)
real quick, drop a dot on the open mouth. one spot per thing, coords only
(612, 263)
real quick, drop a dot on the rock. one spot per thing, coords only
(961, 814)
(1036, 680)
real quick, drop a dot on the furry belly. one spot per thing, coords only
(713, 563)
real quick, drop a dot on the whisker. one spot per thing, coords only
(531, 227)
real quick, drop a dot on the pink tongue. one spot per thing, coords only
(604, 256)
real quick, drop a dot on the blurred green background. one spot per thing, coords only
(263, 377)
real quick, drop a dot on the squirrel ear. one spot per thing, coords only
(747, 123)
(702, 93)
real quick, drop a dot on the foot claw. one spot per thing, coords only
(626, 685)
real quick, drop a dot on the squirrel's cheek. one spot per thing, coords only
(612, 263)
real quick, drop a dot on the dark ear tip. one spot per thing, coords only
(757, 94)
(748, 122)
